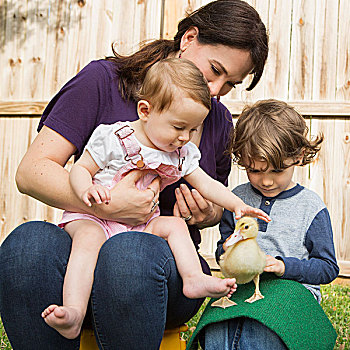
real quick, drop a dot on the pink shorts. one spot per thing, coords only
(109, 227)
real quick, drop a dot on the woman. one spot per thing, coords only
(137, 290)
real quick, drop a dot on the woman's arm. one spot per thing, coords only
(41, 175)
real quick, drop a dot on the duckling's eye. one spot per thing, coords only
(246, 227)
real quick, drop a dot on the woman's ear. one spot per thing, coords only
(189, 36)
(143, 109)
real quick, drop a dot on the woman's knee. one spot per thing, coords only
(33, 255)
(35, 243)
(137, 251)
(134, 244)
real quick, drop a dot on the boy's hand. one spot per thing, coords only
(98, 193)
(251, 211)
(274, 265)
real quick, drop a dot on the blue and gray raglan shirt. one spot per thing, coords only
(300, 234)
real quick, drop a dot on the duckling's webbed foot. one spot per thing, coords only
(223, 302)
(257, 294)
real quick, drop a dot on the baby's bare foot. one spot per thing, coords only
(208, 286)
(65, 319)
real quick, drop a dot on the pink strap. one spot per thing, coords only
(130, 145)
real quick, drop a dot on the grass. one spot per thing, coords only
(4, 343)
(336, 304)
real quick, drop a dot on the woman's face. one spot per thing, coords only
(224, 67)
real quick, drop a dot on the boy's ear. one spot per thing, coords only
(143, 109)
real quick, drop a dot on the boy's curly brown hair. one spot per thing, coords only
(272, 131)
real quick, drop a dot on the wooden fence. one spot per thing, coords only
(43, 43)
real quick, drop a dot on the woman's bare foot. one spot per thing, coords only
(202, 286)
(65, 319)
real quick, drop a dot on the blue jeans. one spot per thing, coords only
(241, 334)
(137, 290)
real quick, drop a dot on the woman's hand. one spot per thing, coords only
(128, 204)
(190, 204)
(274, 265)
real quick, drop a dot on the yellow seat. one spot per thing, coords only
(171, 339)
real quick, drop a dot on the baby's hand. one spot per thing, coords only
(274, 265)
(98, 193)
(251, 211)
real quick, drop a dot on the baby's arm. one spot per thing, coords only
(80, 178)
(217, 193)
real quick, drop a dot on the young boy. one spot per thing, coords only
(269, 141)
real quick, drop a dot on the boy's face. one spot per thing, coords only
(270, 182)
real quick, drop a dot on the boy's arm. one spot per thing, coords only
(217, 193)
(321, 267)
(227, 226)
(82, 172)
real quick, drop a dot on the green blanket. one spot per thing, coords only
(289, 309)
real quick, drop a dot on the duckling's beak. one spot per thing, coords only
(234, 238)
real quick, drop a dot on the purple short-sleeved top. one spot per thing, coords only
(92, 97)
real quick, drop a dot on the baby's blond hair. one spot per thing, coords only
(272, 131)
(170, 76)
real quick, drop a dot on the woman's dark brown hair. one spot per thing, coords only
(232, 23)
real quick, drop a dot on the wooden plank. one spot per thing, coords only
(330, 175)
(13, 36)
(302, 50)
(324, 73)
(19, 108)
(134, 22)
(307, 108)
(55, 46)
(35, 55)
(337, 184)
(105, 30)
(277, 68)
(344, 268)
(343, 54)
(319, 109)
(258, 93)
(174, 11)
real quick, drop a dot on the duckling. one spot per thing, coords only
(243, 259)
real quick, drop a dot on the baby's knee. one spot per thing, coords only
(175, 225)
(85, 230)
(179, 223)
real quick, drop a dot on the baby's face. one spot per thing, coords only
(270, 182)
(171, 129)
